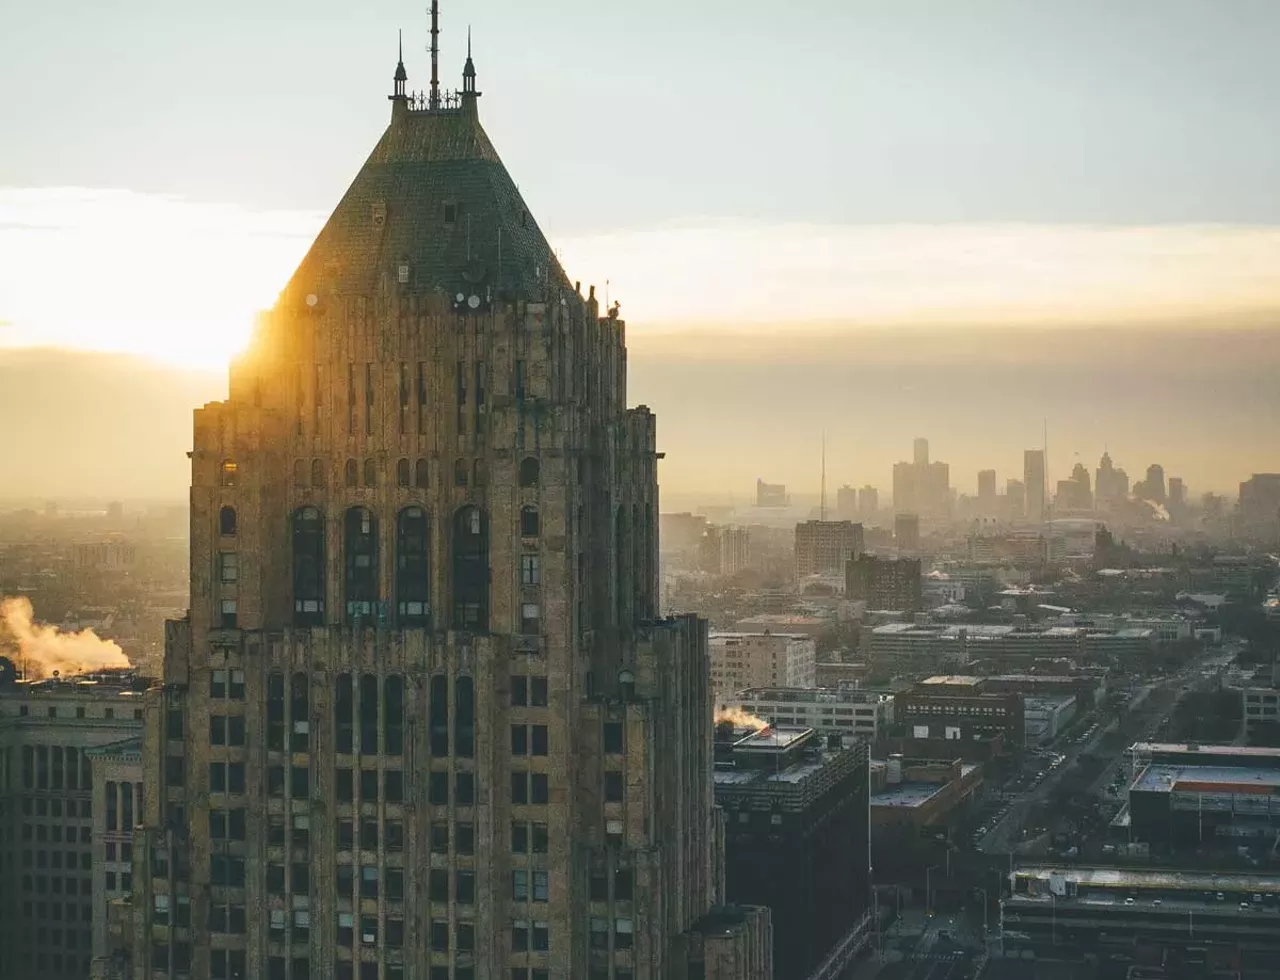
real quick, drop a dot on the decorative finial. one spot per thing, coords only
(469, 71)
(401, 76)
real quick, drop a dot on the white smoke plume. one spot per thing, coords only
(740, 718)
(38, 650)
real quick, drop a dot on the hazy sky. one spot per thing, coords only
(727, 165)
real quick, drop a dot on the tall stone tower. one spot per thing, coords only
(420, 722)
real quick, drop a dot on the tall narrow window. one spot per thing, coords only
(402, 473)
(227, 522)
(344, 715)
(438, 715)
(368, 399)
(529, 525)
(351, 399)
(393, 715)
(461, 420)
(421, 474)
(228, 472)
(275, 712)
(299, 713)
(480, 392)
(317, 473)
(317, 394)
(413, 586)
(370, 473)
(351, 473)
(464, 723)
(299, 472)
(361, 544)
(308, 567)
(404, 398)
(422, 396)
(369, 714)
(518, 381)
(621, 594)
(470, 585)
(528, 475)
(460, 473)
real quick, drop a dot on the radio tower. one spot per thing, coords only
(433, 101)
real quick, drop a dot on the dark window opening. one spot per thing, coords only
(361, 537)
(317, 473)
(402, 473)
(275, 712)
(421, 474)
(369, 714)
(351, 473)
(413, 586)
(464, 723)
(227, 522)
(470, 570)
(530, 526)
(308, 567)
(370, 473)
(438, 715)
(450, 213)
(393, 715)
(299, 713)
(460, 473)
(529, 468)
(344, 714)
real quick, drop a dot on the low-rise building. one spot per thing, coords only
(839, 710)
(745, 660)
(910, 794)
(957, 707)
(1045, 718)
(1261, 715)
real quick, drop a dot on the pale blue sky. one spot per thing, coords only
(616, 115)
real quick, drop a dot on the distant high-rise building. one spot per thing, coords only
(735, 550)
(1260, 502)
(742, 660)
(987, 488)
(868, 502)
(846, 502)
(1015, 495)
(1177, 493)
(921, 451)
(906, 532)
(770, 494)
(823, 547)
(885, 583)
(1152, 488)
(1033, 476)
(1111, 485)
(1074, 495)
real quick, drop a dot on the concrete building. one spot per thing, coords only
(846, 502)
(922, 486)
(1015, 499)
(911, 794)
(421, 719)
(906, 533)
(868, 502)
(1033, 478)
(885, 583)
(827, 710)
(735, 550)
(1260, 504)
(111, 555)
(53, 826)
(1045, 718)
(749, 660)
(117, 808)
(987, 491)
(957, 707)
(1261, 715)
(797, 840)
(824, 547)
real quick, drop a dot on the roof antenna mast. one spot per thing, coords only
(434, 99)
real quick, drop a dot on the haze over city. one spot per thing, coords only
(585, 491)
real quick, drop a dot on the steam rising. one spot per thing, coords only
(39, 650)
(740, 718)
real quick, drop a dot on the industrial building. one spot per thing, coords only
(1191, 923)
(828, 710)
(957, 707)
(66, 821)
(797, 840)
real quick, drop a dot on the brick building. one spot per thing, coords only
(885, 583)
(421, 720)
(959, 707)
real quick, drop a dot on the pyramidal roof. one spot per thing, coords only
(435, 197)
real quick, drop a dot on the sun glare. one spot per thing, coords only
(153, 276)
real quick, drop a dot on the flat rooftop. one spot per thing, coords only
(1165, 778)
(908, 796)
(742, 635)
(773, 738)
(1239, 751)
(954, 680)
(1205, 881)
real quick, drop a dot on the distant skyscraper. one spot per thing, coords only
(1152, 488)
(1177, 493)
(987, 488)
(906, 532)
(1074, 494)
(1015, 495)
(921, 451)
(868, 502)
(735, 549)
(846, 502)
(1260, 502)
(823, 547)
(1033, 477)
(770, 494)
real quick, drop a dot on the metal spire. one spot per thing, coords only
(433, 101)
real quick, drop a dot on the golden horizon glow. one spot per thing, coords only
(182, 282)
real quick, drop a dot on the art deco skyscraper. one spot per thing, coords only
(420, 722)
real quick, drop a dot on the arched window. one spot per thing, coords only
(308, 567)
(529, 472)
(228, 472)
(370, 473)
(460, 473)
(413, 584)
(227, 522)
(530, 526)
(421, 474)
(402, 473)
(393, 715)
(438, 715)
(360, 540)
(351, 473)
(317, 473)
(464, 717)
(479, 475)
(369, 714)
(299, 472)
(470, 570)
